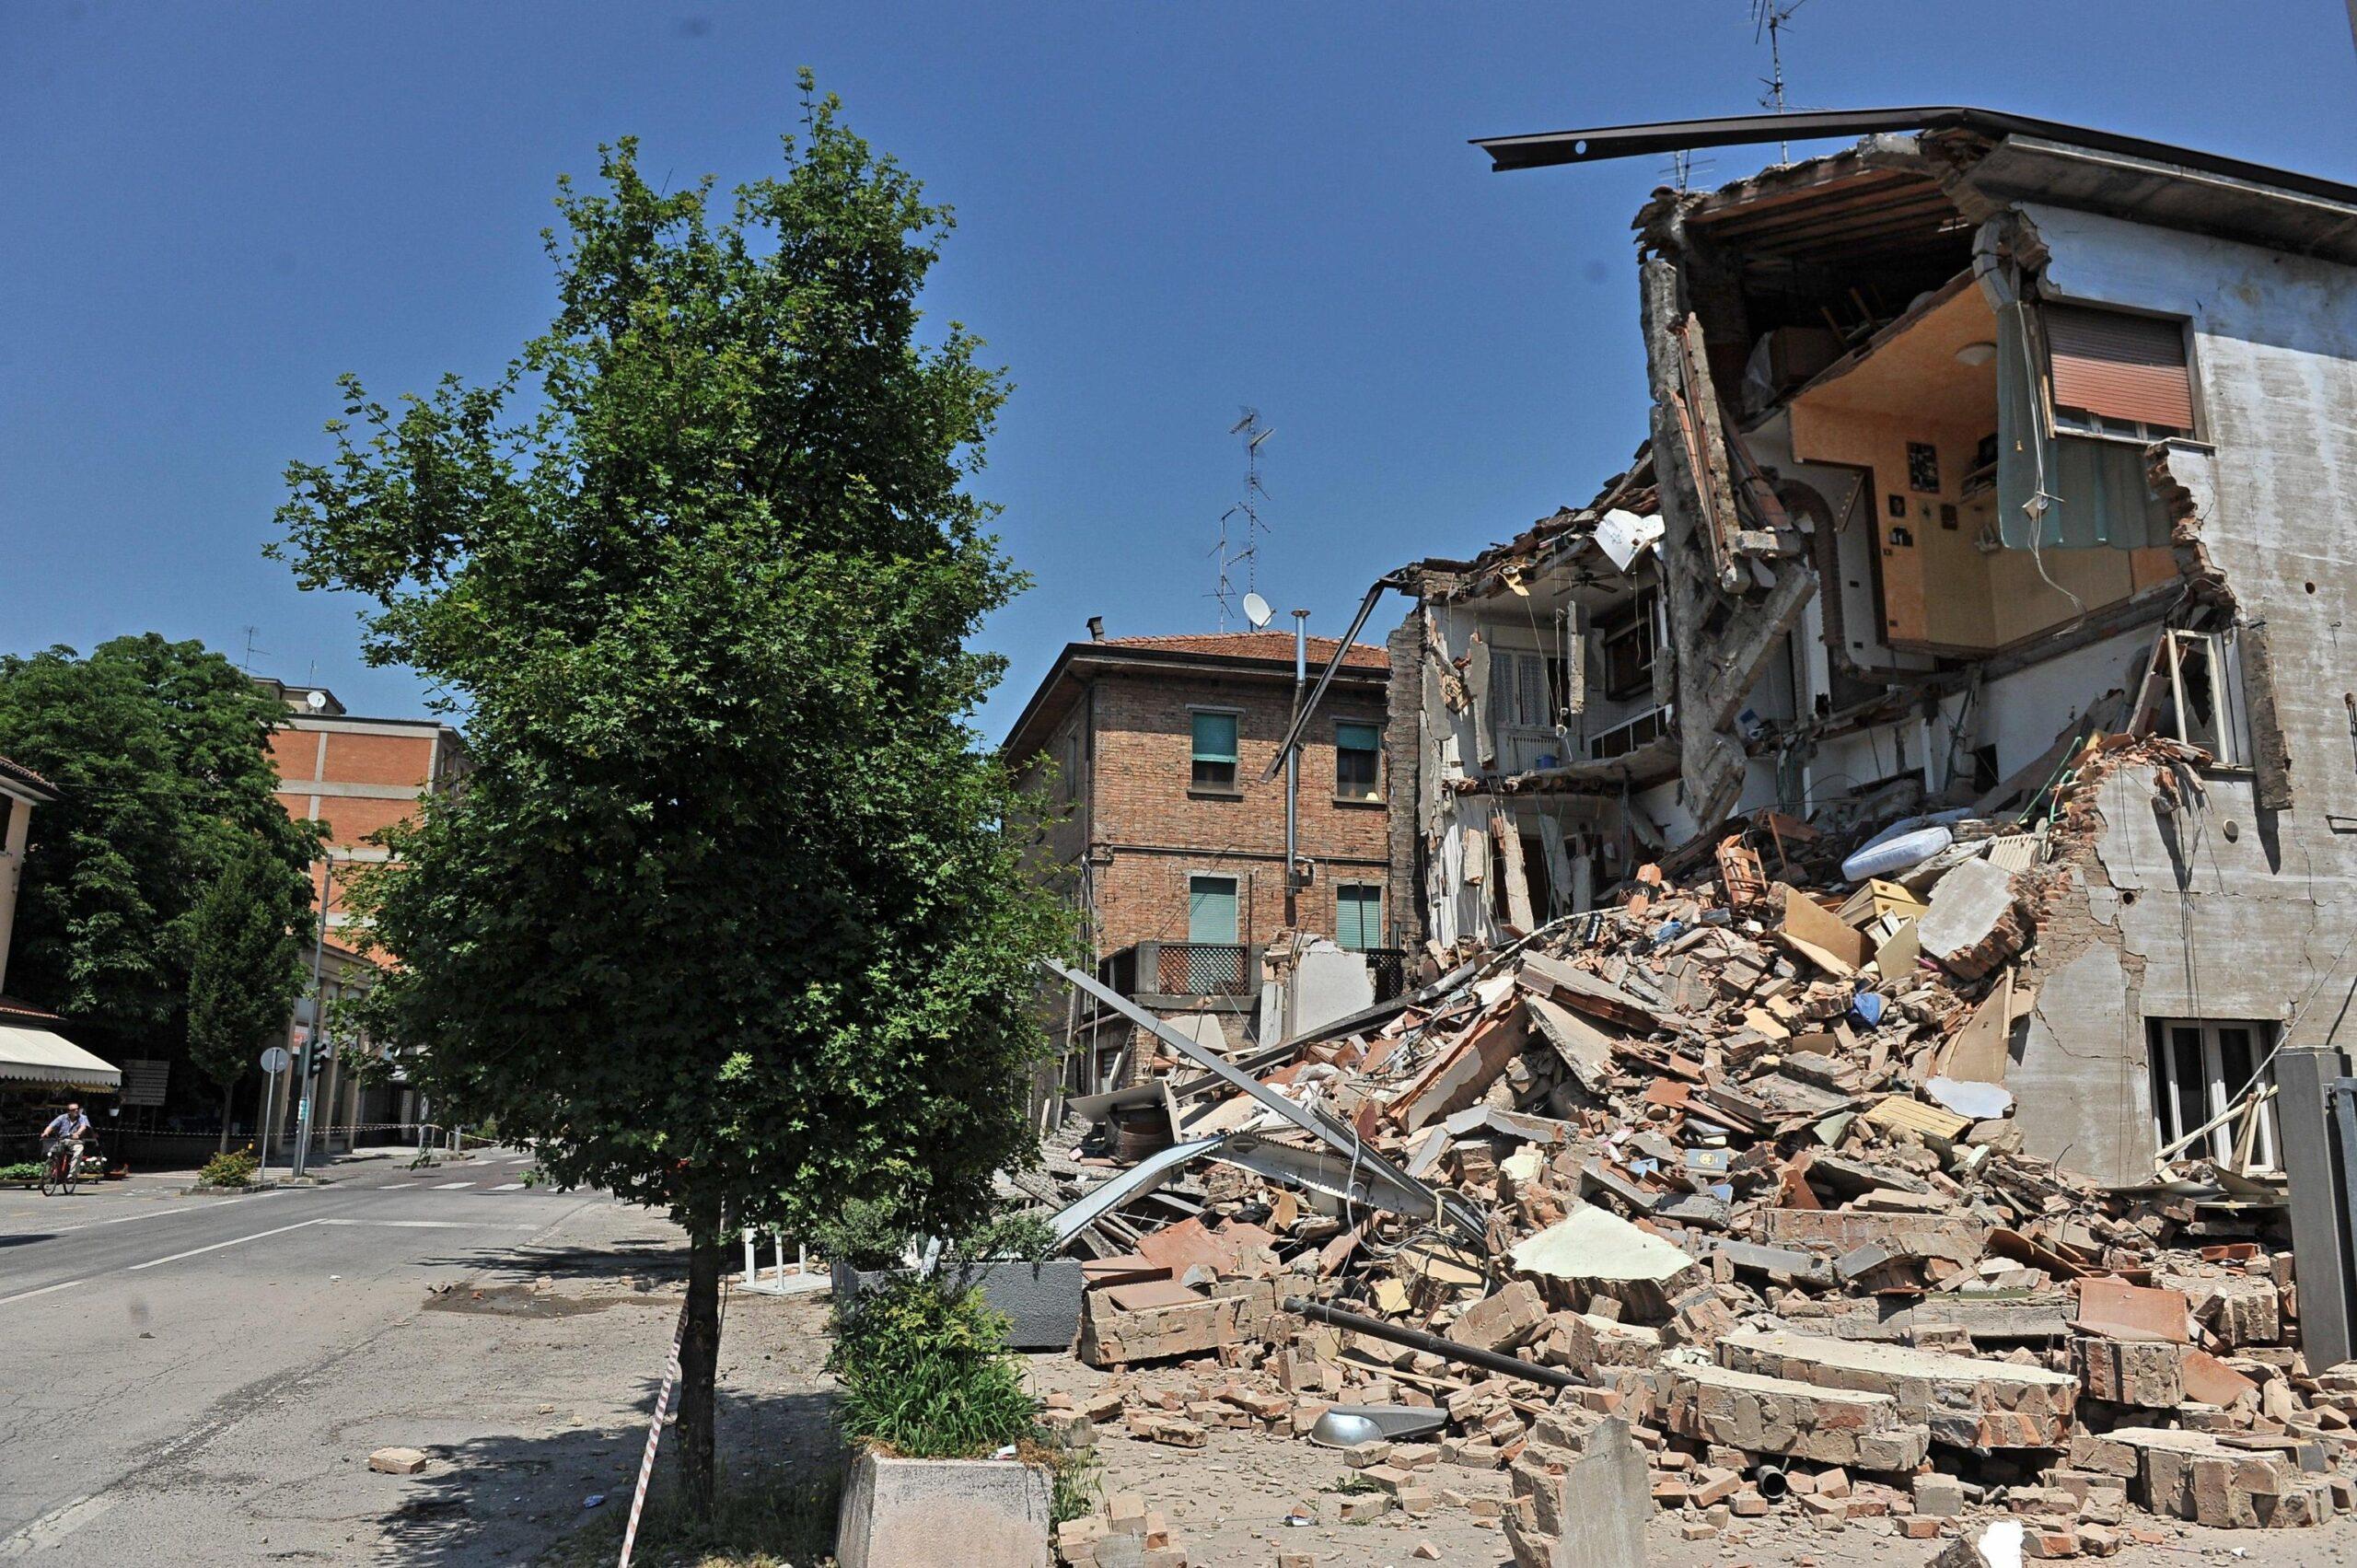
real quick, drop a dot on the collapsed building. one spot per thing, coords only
(1968, 442)
(1886, 912)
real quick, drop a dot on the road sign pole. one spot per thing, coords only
(302, 1085)
(273, 1063)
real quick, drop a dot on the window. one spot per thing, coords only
(1214, 751)
(2199, 1070)
(1629, 642)
(1358, 761)
(1211, 909)
(2195, 694)
(2114, 374)
(1358, 915)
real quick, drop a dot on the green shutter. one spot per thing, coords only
(1358, 917)
(1358, 738)
(1211, 909)
(1214, 737)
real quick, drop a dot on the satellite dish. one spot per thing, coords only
(1257, 611)
(316, 701)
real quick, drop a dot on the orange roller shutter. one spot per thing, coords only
(2120, 366)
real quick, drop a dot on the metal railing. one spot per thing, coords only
(1388, 967)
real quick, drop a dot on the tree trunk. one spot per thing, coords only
(226, 1090)
(699, 1361)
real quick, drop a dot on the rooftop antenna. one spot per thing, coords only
(248, 666)
(1772, 18)
(1240, 526)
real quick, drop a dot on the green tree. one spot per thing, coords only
(729, 917)
(249, 933)
(160, 754)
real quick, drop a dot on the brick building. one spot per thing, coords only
(358, 775)
(1151, 751)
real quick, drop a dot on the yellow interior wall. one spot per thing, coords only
(1935, 589)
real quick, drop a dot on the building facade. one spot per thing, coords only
(1150, 755)
(357, 775)
(1969, 442)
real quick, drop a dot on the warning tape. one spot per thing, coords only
(654, 1435)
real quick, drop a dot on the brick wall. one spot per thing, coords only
(1402, 747)
(1152, 829)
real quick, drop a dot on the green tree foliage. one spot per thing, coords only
(729, 917)
(159, 752)
(249, 933)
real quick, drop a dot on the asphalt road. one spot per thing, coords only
(182, 1376)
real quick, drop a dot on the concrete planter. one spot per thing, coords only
(1042, 1300)
(941, 1514)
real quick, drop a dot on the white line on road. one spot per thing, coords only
(526, 1160)
(450, 1186)
(28, 1295)
(444, 1225)
(153, 1213)
(236, 1241)
(56, 1526)
(509, 1187)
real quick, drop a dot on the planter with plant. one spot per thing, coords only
(1009, 1258)
(947, 1464)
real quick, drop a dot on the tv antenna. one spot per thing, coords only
(252, 632)
(1240, 526)
(1772, 16)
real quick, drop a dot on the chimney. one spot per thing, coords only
(1096, 628)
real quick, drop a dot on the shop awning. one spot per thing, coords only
(37, 1057)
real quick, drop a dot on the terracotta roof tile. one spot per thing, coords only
(1260, 646)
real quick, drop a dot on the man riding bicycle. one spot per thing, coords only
(69, 1127)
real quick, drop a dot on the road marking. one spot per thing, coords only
(28, 1295)
(236, 1241)
(443, 1225)
(153, 1213)
(526, 1160)
(56, 1526)
(450, 1186)
(509, 1187)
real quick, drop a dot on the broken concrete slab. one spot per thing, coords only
(1972, 926)
(1763, 1414)
(1598, 1253)
(1966, 1401)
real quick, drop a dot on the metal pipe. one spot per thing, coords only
(1292, 788)
(1432, 1344)
(1770, 1482)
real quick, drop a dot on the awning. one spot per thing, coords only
(37, 1057)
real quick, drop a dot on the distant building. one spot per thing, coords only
(358, 775)
(38, 1065)
(1152, 751)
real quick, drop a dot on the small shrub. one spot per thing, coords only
(26, 1172)
(1079, 1485)
(230, 1168)
(1019, 1234)
(863, 1236)
(925, 1372)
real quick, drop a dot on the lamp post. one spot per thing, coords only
(318, 1018)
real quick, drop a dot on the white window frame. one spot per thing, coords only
(2178, 1109)
(2219, 654)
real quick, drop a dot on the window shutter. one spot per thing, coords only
(2120, 366)
(1216, 738)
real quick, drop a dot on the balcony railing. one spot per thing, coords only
(1203, 969)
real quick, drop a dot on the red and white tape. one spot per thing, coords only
(654, 1435)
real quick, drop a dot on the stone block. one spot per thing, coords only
(1501, 1321)
(399, 1461)
(1582, 1507)
(2146, 1375)
(1965, 1401)
(1235, 1311)
(941, 1514)
(1763, 1414)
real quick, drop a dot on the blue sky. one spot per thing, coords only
(1165, 212)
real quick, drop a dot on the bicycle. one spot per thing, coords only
(59, 1174)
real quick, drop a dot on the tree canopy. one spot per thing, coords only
(159, 753)
(249, 934)
(730, 912)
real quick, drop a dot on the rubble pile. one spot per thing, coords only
(1716, 1193)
